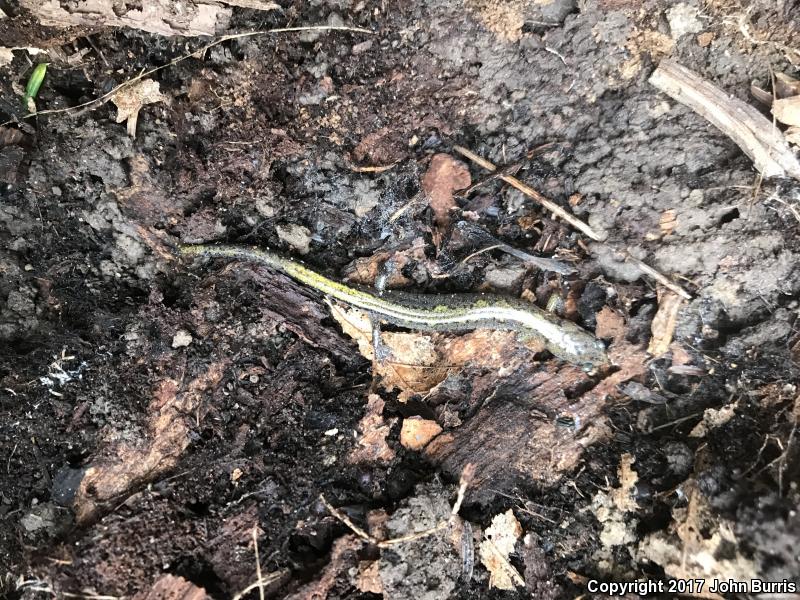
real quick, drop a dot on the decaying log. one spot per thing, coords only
(753, 132)
(535, 430)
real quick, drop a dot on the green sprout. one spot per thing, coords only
(34, 83)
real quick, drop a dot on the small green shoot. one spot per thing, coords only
(34, 83)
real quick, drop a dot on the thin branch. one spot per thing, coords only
(260, 580)
(467, 476)
(570, 218)
(659, 277)
(531, 193)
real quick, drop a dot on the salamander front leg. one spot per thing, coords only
(381, 351)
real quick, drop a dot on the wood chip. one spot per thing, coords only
(417, 432)
(663, 325)
(748, 128)
(369, 577)
(623, 496)
(507, 441)
(610, 324)
(668, 221)
(445, 175)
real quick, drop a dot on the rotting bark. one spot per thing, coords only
(518, 436)
(156, 16)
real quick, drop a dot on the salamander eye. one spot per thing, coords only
(588, 367)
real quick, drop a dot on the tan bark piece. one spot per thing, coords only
(164, 17)
(663, 325)
(417, 432)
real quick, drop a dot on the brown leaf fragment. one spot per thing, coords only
(417, 432)
(417, 362)
(445, 175)
(787, 110)
(499, 541)
(372, 446)
(705, 38)
(663, 325)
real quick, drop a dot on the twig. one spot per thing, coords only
(569, 218)
(466, 478)
(372, 169)
(233, 36)
(742, 123)
(260, 580)
(531, 193)
(676, 422)
(660, 278)
(346, 520)
(264, 582)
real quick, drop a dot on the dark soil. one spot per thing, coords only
(260, 141)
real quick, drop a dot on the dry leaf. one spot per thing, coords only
(445, 175)
(704, 546)
(417, 432)
(499, 541)
(412, 356)
(663, 325)
(417, 362)
(369, 577)
(130, 99)
(787, 110)
(705, 38)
